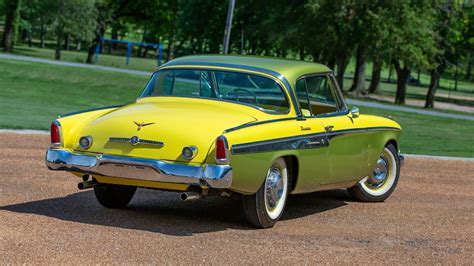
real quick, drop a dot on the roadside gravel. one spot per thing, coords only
(45, 219)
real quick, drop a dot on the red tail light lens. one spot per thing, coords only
(221, 149)
(55, 135)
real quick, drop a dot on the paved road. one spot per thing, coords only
(409, 109)
(71, 64)
(44, 219)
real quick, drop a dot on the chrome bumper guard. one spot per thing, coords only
(214, 176)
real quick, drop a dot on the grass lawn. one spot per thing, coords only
(33, 94)
(142, 64)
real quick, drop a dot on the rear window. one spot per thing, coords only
(261, 92)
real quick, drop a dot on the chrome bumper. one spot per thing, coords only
(214, 176)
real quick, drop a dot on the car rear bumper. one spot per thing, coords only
(214, 176)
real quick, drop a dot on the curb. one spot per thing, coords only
(445, 158)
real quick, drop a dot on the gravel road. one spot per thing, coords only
(45, 219)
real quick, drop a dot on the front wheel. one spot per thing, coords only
(383, 180)
(264, 208)
(114, 196)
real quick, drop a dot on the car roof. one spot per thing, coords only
(290, 69)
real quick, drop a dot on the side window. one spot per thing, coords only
(302, 95)
(322, 97)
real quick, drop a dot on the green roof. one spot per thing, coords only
(290, 69)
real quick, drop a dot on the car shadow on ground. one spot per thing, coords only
(163, 212)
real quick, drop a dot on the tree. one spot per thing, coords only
(12, 10)
(444, 29)
(411, 40)
(74, 18)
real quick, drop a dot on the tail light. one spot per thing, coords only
(55, 134)
(222, 154)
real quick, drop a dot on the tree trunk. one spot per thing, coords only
(332, 62)
(302, 54)
(402, 77)
(358, 83)
(42, 33)
(456, 76)
(390, 70)
(114, 36)
(57, 54)
(30, 42)
(468, 74)
(12, 14)
(67, 37)
(374, 86)
(341, 62)
(434, 84)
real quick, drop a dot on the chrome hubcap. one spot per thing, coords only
(274, 188)
(380, 173)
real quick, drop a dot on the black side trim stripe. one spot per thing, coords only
(90, 110)
(309, 141)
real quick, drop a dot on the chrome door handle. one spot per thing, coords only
(328, 128)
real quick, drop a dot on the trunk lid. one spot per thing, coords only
(176, 122)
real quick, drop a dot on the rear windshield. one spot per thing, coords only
(258, 91)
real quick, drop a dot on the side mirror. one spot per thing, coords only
(355, 112)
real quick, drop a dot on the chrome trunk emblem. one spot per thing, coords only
(136, 140)
(142, 124)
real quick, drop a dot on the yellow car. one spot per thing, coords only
(220, 125)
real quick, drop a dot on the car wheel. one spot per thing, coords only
(114, 196)
(264, 208)
(383, 180)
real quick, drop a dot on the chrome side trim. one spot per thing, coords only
(90, 110)
(136, 141)
(309, 141)
(214, 176)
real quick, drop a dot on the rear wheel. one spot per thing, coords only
(264, 208)
(114, 196)
(383, 180)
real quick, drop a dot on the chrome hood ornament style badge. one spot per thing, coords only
(142, 124)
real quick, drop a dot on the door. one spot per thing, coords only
(347, 144)
(314, 163)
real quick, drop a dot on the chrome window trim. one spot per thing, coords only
(237, 67)
(336, 89)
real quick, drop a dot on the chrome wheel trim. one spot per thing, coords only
(276, 186)
(383, 176)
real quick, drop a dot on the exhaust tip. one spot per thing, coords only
(185, 196)
(86, 184)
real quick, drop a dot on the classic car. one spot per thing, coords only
(260, 128)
